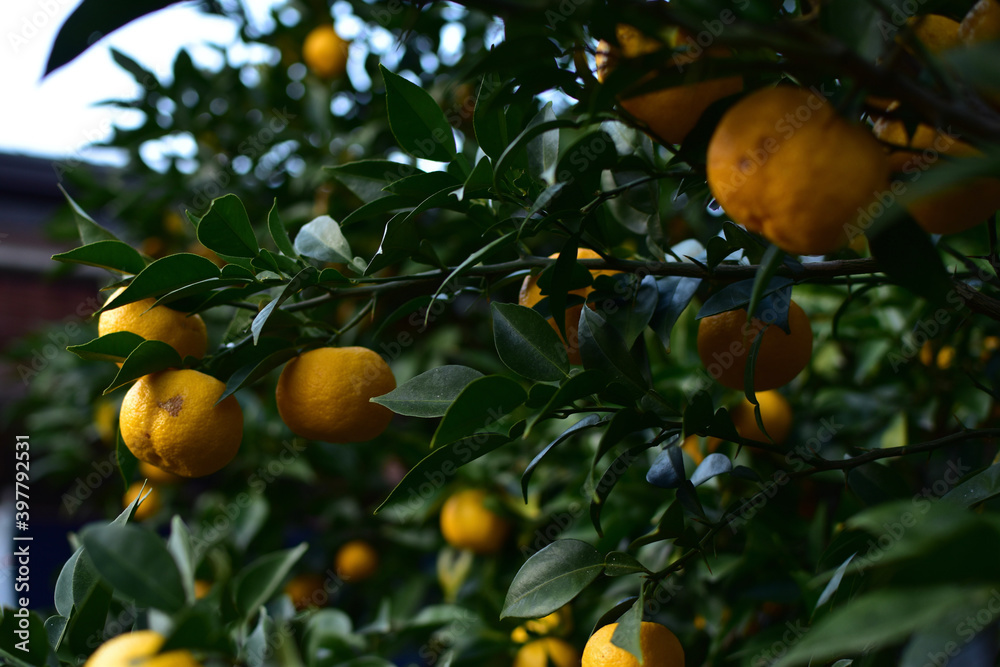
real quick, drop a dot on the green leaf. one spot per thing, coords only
(434, 471)
(279, 233)
(260, 580)
(589, 421)
(179, 546)
(979, 488)
(137, 564)
(322, 239)
(479, 408)
(578, 386)
(197, 628)
(918, 269)
(880, 618)
(488, 120)
(226, 229)
(527, 344)
(620, 564)
(108, 254)
(89, 230)
(476, 257)
(543, 150)
(770, 262)
(255, 370)
(628, 634)
(834, 583)
(507, 158)
(610, 478)
(715, 464)
(259, 642)
(479, 181)
(552, 577)
(429, 394)
(416, 120)
(64, 585)
(109, 347)
(302, 279)
(150, 356)
(166, 275)
(739, 295)
(603, 348)
(92, 17)
(368, 178)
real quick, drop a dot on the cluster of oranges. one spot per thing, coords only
(785, 164)
(175, 424)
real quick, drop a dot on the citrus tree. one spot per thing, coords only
(538, 333)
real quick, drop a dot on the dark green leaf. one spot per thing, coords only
(91, 18)
(128, 464)
(479, 408)
(226, 229)
(137, 564)
(609, 480)
(166, 275)
(603, 348)
(620, 563)
(552, 577)
(628, 634)
(368, 178)
(150, 356)
(862, 622)
(279, 233)
(259, 581)
(22, 635)
(738, 295)
(920, 268)
(543, 150)
(429, 394)
(479, 181)
(527, 344)
(434, 471)
(979, 488)
(416, 120)
(111, 255)
(302, 279)
(589, 421)
(109, 347)
(573, 389)
(89, 230)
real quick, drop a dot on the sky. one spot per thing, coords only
(57, 116)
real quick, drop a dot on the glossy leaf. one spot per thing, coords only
(109, 347)
(226, 228)
(259, 581)
(428, 477)
(527, 344)
(715, 464)
(150, 356)
(322, 239)
(667, 471)
(552, 577)
(137, 564)
(107, 254)
(429, 394)
(416, 120)
(478, 408)
(590, 421)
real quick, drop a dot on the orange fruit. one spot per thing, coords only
(150, 504)
(982, 23)
(156, 475)
(356, 561)
(185, 334)
(783, 164)
(139, 649)
(937, 33)
(951, 210)
(170, 419)
(325, 52)
(775, 412)
(307, 590)
(466, 523)
(531, 294)
(659, 647)
(324, 394)
(547, 651)
(201, 588)
(725, 339)
(670, 113)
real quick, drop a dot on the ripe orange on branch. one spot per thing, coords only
(784, 164)
(467, 523)
(670, 113)
(185, 334)
(170, 419)
(325, 52)
(725, 341)
(324, 394)
(531, 294)
(660, 647)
